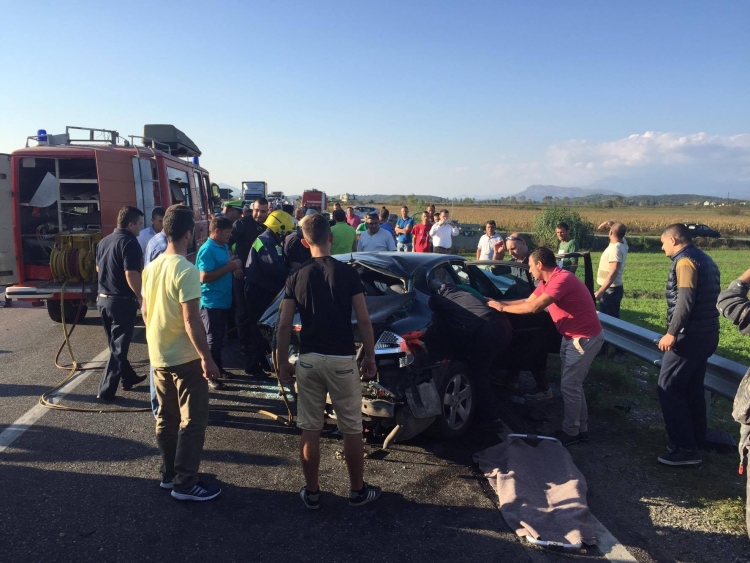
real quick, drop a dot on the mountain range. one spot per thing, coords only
(539, 192)
(615, 186)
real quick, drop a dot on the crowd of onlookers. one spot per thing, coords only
(251, 255)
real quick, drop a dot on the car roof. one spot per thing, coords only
(403, 264)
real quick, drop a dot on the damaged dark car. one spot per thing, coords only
(423, 380)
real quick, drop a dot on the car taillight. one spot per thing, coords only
(390, 343)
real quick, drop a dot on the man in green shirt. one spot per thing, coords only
(566, 245)
(344, 236)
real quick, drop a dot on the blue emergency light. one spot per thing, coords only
(41, 135)
(196, 162)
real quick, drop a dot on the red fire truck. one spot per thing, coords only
(314, 199)
(61, 193)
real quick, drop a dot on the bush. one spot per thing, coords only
(546, 222)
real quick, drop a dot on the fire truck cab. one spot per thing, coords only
(61, 194)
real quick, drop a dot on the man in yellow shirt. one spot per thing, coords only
(181, 358)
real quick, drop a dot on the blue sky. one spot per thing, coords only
(447, 98)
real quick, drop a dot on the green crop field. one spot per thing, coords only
(644, 304)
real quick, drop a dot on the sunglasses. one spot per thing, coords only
(513, 238)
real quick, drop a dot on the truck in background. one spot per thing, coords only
(252, 191)
(314, 199)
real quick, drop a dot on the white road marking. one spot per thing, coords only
(32, 416)
(610, 546)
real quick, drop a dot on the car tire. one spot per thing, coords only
(71, 310)
(459, 402)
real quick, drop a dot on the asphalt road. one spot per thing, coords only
(84, 486)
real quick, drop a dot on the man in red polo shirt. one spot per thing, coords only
(572, 309)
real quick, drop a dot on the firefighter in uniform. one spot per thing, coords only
(265, 276)
(734, 304)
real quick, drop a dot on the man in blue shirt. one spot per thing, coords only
(385, 224)
(216, 267)
(154, 248)
(157, 224)
(404, 225)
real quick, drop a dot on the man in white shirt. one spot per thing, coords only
(375, 238)
(442, 234)
(486, 246)
(157, 223)
(609, 277)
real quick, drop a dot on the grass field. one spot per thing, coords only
(637, 219)
(644, 303)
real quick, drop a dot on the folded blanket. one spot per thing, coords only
(541, 491)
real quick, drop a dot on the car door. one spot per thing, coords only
(472, 276)
(512, 280)
(8, 266)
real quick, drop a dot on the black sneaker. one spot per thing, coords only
(312, 501)
(198, 492)
(681, 457)
(167, 483)
(127, 386)
(583, 437)
(671, 447)
(368, 493)
(566, 439)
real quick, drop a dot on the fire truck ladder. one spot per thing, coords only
(145, 179)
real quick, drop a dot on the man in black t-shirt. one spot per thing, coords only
(324, 291)
(119, 261)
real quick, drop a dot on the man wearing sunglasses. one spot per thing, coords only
(514, 245)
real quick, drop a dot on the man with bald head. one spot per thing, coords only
(692, 336)
(514, 249)
(515, 246)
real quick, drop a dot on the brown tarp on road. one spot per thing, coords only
(541, 491)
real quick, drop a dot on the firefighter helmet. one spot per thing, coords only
(280, 222)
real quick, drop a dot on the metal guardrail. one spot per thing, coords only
(722, 376)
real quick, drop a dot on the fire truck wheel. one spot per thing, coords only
(71, 310)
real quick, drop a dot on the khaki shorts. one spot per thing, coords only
(337, 376)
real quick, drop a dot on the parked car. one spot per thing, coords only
(701, 230)
(423, 380)
(363, 210)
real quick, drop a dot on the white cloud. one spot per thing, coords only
(652, 148)
(651, 154)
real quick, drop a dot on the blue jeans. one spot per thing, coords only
(403, 246)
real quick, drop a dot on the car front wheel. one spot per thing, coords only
(458, 395)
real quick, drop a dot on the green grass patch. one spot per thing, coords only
(644, 303)
(623, 399)
(725, 514)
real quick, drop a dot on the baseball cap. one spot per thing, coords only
(237, 204)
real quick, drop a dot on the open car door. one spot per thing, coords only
(8, 265)
(513, 279)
